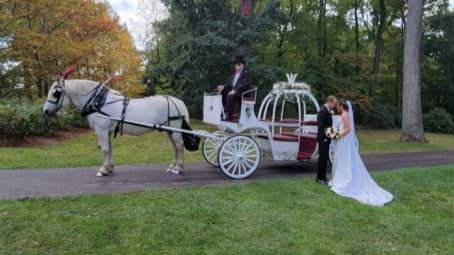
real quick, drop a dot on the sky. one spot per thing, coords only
(138, 15)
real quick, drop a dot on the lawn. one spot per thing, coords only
(385, 141)
(155, 148)
(265, 217)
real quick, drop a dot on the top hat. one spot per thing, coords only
(239, 60)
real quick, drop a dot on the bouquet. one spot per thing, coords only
(332, 133)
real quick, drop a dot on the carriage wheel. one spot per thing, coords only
(211, 146)
(239, 156)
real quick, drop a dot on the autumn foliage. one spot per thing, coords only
(45, 36)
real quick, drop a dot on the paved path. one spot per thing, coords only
(21, 184)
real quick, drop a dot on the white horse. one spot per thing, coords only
(153, 110)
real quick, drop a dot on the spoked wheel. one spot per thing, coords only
(210, 148)
(239, 156)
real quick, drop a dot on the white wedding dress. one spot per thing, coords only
(350, 176)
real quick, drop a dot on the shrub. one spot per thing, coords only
(71, 117)
(383, 116)
(21, 120)
(439, 120)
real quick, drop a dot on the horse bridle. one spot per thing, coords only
(59, 94)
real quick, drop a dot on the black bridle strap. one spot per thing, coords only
(61, 97)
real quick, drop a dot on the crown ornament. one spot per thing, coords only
(291, 78)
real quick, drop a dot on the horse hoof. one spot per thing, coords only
(99, 174)
(173, 171)
(102, 174)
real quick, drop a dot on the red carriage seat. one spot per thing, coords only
(308, 144)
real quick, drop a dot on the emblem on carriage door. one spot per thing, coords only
(248, 113)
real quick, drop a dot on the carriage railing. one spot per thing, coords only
(213, 111)
(250, 95)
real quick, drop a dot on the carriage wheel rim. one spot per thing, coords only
(210, 148)
(239, 157)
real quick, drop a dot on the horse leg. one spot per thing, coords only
(106, 147)
(180, 151)
(111, 165)
(178, 145)
(171, 167)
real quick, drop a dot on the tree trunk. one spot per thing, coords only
(378, 46)
(321, 47)
(158, 55)
(322, 28)
(357, 68)
(283, 33)
(412, 120)
(399, 74)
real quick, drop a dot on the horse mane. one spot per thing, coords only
(80, 87)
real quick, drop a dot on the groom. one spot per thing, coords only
(324, 120)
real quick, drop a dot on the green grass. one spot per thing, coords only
(266, 217)
(82, 150)
(155, 148)
(384, 141)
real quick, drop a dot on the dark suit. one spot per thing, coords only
(324, 120)
(243, 84)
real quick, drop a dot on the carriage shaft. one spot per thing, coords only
(199, 133)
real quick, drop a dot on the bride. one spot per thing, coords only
(350, 176)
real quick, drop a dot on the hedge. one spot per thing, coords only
(439, 120)
(21, 120)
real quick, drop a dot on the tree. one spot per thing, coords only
(353, 48)
(412, 119)
(357, 42)
(47, 35)
(199, 41)
(381, 21)
(438, 75)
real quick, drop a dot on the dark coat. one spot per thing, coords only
(243, 84)
(324, 121)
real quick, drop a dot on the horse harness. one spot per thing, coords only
(98, 100)
(59, 94)
(172, 118)
(191, 141)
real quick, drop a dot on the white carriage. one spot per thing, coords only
(284, 129)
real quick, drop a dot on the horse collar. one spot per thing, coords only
(96, 101)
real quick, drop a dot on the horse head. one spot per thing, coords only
(56, 95)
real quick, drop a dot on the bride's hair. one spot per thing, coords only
(343, 103)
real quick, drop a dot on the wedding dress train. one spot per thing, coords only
(350, 176)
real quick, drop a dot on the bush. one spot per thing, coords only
(71, 117)
(383, 116)
(439, 120)
(21, 120)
